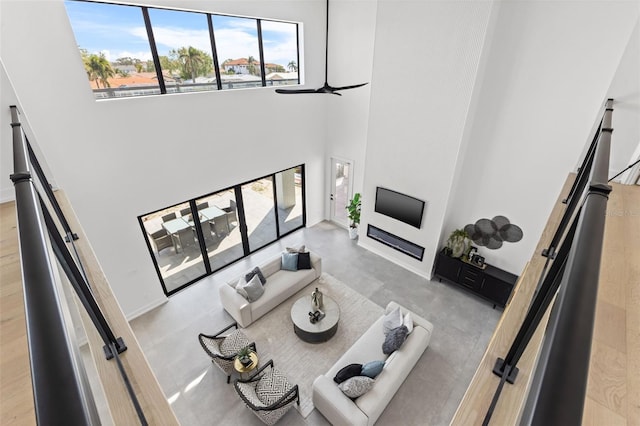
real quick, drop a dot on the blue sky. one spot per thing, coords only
(119, 31)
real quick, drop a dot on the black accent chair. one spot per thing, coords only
(222, 348)
(268, 394)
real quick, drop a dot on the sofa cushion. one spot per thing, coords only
(304, 260)
(395, 338)
(372, 368)
(256, 271)
(281, 286)
(233, 343)
(356, 386)
(251, 290)
(348, 372)
(272, 386)
(289, 261)
(392, 320)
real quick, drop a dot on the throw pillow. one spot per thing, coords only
(251, 290)
(256, 271)
(272, 386)
(356, 386)
(392, 320)
(407, 321)
(289, 261)
(304, 260)
(394, 340)
(372, 368)
(295, 249)
(348, 372)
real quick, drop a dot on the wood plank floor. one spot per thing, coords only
(613, 390)
(16, 396)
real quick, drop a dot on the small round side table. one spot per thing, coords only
(237, 365)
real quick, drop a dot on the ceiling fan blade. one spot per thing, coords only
(349, 87)
(294, 91)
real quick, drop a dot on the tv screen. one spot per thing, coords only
(399, 206)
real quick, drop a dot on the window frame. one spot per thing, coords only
(216, 63)
(247, 250)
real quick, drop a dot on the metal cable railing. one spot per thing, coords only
(51, 352)
(558, 388)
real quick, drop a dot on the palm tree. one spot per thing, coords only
(192, 59)
(252, 68)
(98, 68)
(292, 66)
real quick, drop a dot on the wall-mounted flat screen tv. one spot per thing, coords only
(399, 206)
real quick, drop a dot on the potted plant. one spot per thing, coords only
(244, 356)
(353, 209)
(458, 243)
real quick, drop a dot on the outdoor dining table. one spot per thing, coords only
(213, 213)
(174, 226)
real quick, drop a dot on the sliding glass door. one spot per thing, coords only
(193, 239)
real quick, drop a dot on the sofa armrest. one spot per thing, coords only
(237, 306)
(417, 320)
(316, 263)
(334, 405)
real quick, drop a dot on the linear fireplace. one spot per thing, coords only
(393, 241)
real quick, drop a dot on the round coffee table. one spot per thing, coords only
(237, 365)
(322, 330)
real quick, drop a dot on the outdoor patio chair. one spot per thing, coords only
(168, 217)
(268, 394)
(220, 226)
(203, 205)
(231, 212)
(222, 348)
(160, 240)
(184, 238)
(185, 212)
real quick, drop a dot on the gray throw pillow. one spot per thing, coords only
(255, 271)
(356, 386)
(392, 320)
(251, 290)
(395, 338)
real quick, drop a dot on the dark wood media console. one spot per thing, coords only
(490, 283)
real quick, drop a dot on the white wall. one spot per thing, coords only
(417, 117)
(625, 90)
(352, 26)
(549, 68)
(118, 159)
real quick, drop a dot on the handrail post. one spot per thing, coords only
(51, 356)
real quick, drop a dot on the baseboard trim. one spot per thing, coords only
(148, 307)
(7, 194)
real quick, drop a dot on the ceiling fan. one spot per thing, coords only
(326, 88)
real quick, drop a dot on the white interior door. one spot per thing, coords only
(341, 190)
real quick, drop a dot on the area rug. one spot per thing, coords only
(302, 362)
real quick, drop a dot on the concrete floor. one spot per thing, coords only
(463, 325)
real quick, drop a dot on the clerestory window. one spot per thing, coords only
(137, 50)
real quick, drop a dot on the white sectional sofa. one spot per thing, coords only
(280, 285)
(365, 410)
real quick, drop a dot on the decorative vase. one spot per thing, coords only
(316, 300)
(245, 361)
(353, 232)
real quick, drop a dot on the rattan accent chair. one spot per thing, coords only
(222, 348)
(268, 393)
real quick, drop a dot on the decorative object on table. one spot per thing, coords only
(491, 233)
(458, 243)
(244, 356)
(316, 300)
(316, 316)
(477, 260)
(353, 210)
